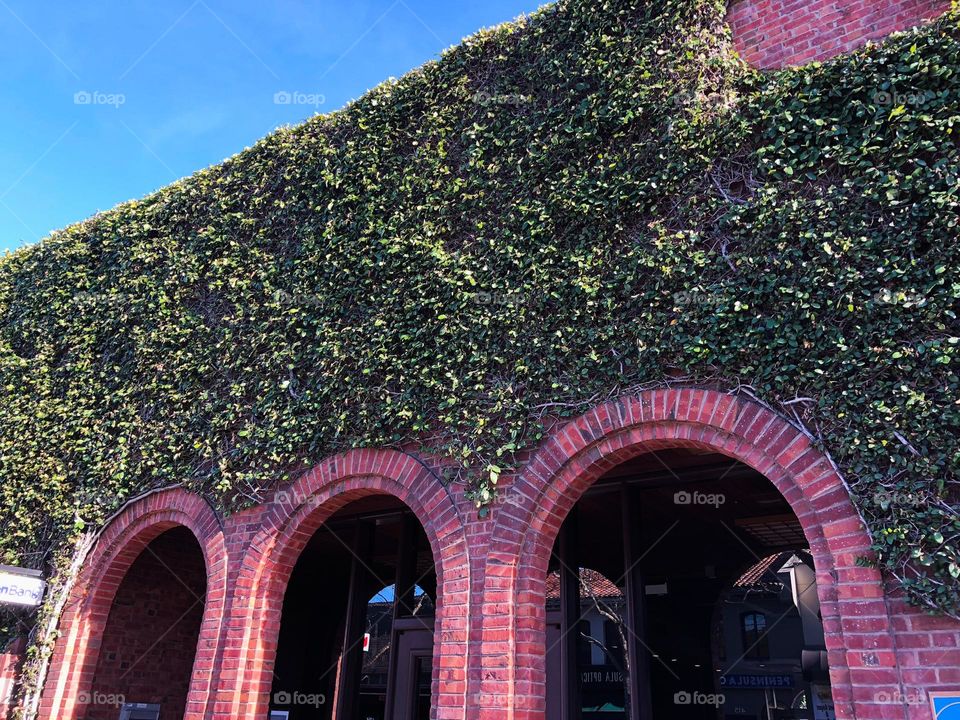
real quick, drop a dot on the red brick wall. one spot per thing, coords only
(928, 654)
(10, 662)
(490, 640)
(778, 33)
(147, 651)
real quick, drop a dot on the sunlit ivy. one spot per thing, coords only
(594, 199)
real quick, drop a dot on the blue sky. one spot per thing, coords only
(107, 101)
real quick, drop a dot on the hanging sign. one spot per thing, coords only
(946, 705)
(822, 702)
(20, 587)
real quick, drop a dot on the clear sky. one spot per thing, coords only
(107, 100)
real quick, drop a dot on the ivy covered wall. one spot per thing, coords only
(598, 198)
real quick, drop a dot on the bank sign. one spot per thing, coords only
(20, 588)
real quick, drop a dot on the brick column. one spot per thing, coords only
(10, 661)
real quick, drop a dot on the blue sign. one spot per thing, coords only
(946, 706)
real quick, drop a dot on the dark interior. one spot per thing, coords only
(310, 657)
(690, 550)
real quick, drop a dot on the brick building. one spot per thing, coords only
(484, 644)
(265, 611)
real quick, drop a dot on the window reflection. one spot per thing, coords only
(377, 642)
(601, 632)
(680, 588)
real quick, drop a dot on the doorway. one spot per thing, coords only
(149, 643)
(356, 634)
(681, 588)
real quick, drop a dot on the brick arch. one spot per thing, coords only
(287, 526)
(118, 546)
(855, 614)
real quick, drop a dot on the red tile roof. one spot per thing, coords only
(592, 584)
(763, 575)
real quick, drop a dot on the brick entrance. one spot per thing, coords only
(491, 574)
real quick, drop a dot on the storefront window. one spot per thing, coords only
(680, 588)
(356, 635)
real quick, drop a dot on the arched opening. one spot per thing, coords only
(356, 632)
(680, 587)
(149, 643)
